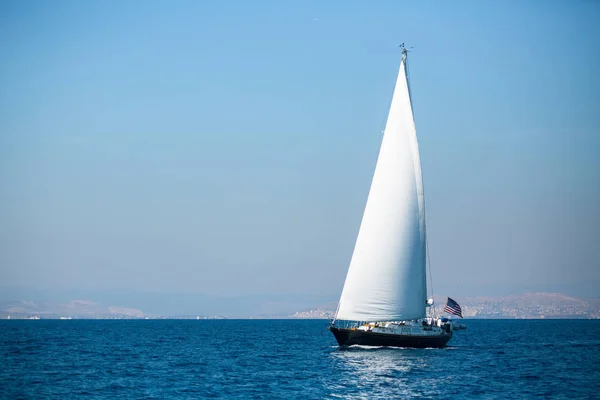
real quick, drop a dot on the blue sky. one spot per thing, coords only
(227, 147)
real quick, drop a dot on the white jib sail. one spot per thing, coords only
(386, 279)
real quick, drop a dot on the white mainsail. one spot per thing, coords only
(386, 279)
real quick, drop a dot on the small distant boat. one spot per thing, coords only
(457, 325)
(384, 300)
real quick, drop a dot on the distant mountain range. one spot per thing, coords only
(526, 306)
(74, 308)
(529, 305)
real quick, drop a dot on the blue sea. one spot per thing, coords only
(287, 359)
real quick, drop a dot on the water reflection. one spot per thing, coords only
(379, 372)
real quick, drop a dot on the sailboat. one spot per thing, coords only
(384, 300)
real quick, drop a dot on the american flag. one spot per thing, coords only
(452, 307)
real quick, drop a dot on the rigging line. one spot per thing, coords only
(430, 276)
(336, 311)
(406, 68)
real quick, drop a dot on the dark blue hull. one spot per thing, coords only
(349, 337)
